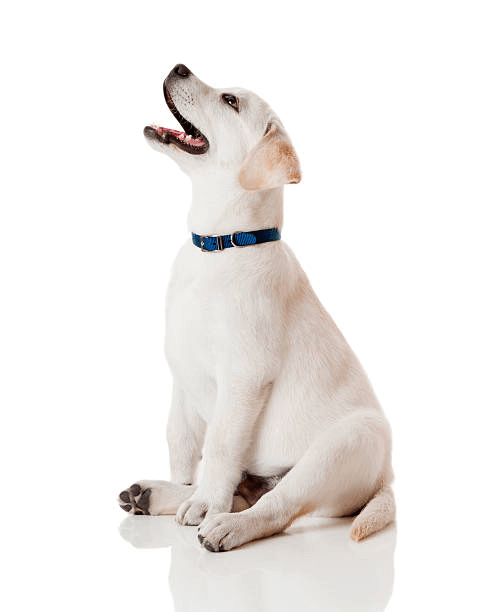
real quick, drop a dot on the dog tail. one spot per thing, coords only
(379, 512)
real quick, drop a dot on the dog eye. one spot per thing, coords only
(231, 101)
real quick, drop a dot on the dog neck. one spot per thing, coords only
(221, 206)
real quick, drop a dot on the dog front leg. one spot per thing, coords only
(185, 433)
(228, 439)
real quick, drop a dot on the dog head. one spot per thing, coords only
(226, 131)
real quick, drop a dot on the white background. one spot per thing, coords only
(395, 109)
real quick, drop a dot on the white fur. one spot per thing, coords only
(262, 377)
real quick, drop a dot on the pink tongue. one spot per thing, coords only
(198, 142)
(161, 131)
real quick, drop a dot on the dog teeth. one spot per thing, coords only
(189, 137)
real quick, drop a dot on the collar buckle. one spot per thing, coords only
(220, 244)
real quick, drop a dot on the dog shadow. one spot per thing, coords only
(314, 565)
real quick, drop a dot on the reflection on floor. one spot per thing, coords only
(312, 566)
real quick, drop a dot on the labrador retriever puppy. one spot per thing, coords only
(263, 380)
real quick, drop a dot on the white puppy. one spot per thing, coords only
(262, 377)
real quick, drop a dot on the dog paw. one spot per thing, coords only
(191, 512)
(223, 532)
(136, 499)
(194, 510)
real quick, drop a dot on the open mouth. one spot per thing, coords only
(191, 140)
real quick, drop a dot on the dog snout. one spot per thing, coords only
(179, 71)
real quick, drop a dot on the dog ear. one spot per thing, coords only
(272, 162)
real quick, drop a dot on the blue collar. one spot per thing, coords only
(237, 239)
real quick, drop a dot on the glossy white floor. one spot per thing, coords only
(83, 554)
(313, 566)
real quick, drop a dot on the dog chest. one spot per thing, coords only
(190, 329)
(195, 313)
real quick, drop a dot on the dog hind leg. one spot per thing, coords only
(154, 497)
(337, 476)
(157, 497)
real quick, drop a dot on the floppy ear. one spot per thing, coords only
(272, 162)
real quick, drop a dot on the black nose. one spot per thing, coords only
(181, 70)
